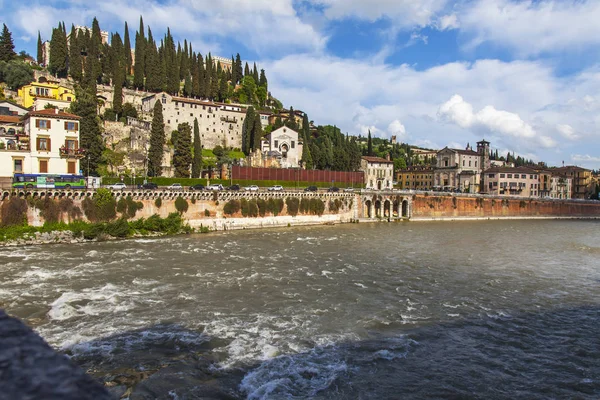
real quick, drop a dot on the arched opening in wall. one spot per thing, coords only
(405, 209)
(284, 150)
(396, 209)
(387, 211)
(368, 206)
(378, 208)
(378, 185)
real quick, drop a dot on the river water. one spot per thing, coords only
(502, 309)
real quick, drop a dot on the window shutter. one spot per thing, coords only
(76, 125)
(48, 124)
(37, 143)
(37, 123)
(48, 141)
(76, 144)
(66, 125)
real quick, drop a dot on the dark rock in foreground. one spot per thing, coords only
(31, 369)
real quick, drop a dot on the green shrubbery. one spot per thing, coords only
(181, 204)
(293, 206)
(231, 207)
(13, 212)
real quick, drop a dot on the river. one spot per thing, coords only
(482, 310)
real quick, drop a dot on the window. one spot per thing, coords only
(43, 123)
(43, 144)
(523, 176)
(475, 163)
(43, 166)
(18, 165)
(469, 163)
(175, 104)
(530, 176)
(276, 143)
(509, 176)
(71, 126)
(68, 98)
(293, 144)
(164, 100)
(502, 175)
(491, 175)
(463, 163)
(191, 114)
(71, 144)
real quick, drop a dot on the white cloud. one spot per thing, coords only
(404, 13)
(505, 123)
(395, 128)
(585, 158)
(532, 27)
(261, 25)
(567, 131)
(448, 22)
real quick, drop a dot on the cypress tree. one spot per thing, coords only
(182, 158)
(40, 51)
(127, 50)
(255, 74)
(262, 81)
(195, 77)
(214, 84)
(247, 131)
(157, 141)
(257, 133)
(75, 66)
(197, 161)
(187, 87)
(140, 59)
(207, 75)
(184, 69)
(223, 88)
(246, 70)
(369, 145)
(96, 49)
(306, 156)
(86, 106)
(238, 69)
(58, 53)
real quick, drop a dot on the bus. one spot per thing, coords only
(48, 181)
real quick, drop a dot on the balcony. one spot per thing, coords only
(43, 96)
(71, 153)
(229, 120)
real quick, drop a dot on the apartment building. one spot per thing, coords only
(379, 172)
(45, 89)
(508, 181)
(415, 178)
(582, 186)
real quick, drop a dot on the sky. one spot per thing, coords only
(524, 75)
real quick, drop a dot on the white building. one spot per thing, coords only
(284, 144)
(379, 172)
(560, 187)
(461, 169)
(220, 124)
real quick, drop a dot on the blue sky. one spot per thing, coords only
(525, 75)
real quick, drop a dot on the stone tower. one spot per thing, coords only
(483, 149)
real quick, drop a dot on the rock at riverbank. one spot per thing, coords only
(30, 369)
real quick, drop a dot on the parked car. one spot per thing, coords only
(311, 189)
(175, 187)
(234, 187)
(148, 186)
(251, 188)
(275, 188)
(217, 186)
(197, 187)
(118, 186)
(333, 189)
(349, 189)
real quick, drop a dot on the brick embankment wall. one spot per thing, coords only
(450, 207)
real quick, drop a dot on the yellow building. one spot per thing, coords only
(45, 89)
(416, 178)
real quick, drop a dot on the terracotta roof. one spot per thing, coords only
(517, 170)
(51, 113)
(376, 160)
(416, 168)
(461, 151)
(11, 119)
(570, 168)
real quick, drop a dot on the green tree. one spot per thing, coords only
(96, 50)
(15, 74)
(58, 53)
(183, 152)
(140, 55)
(197, 161)
(157, 142)
(237, 73)
(40, 49)
(307, 160)
(86, 106)
(127, 50)
(75, 65)
(369, 145)
(247, 128)
(257, 133)
(7, 47)
(262, 81)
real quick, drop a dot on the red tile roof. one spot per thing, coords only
(51, 113)
(12, 119)
(376, 160)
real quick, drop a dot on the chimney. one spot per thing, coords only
(387, 156)
(56, 110)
